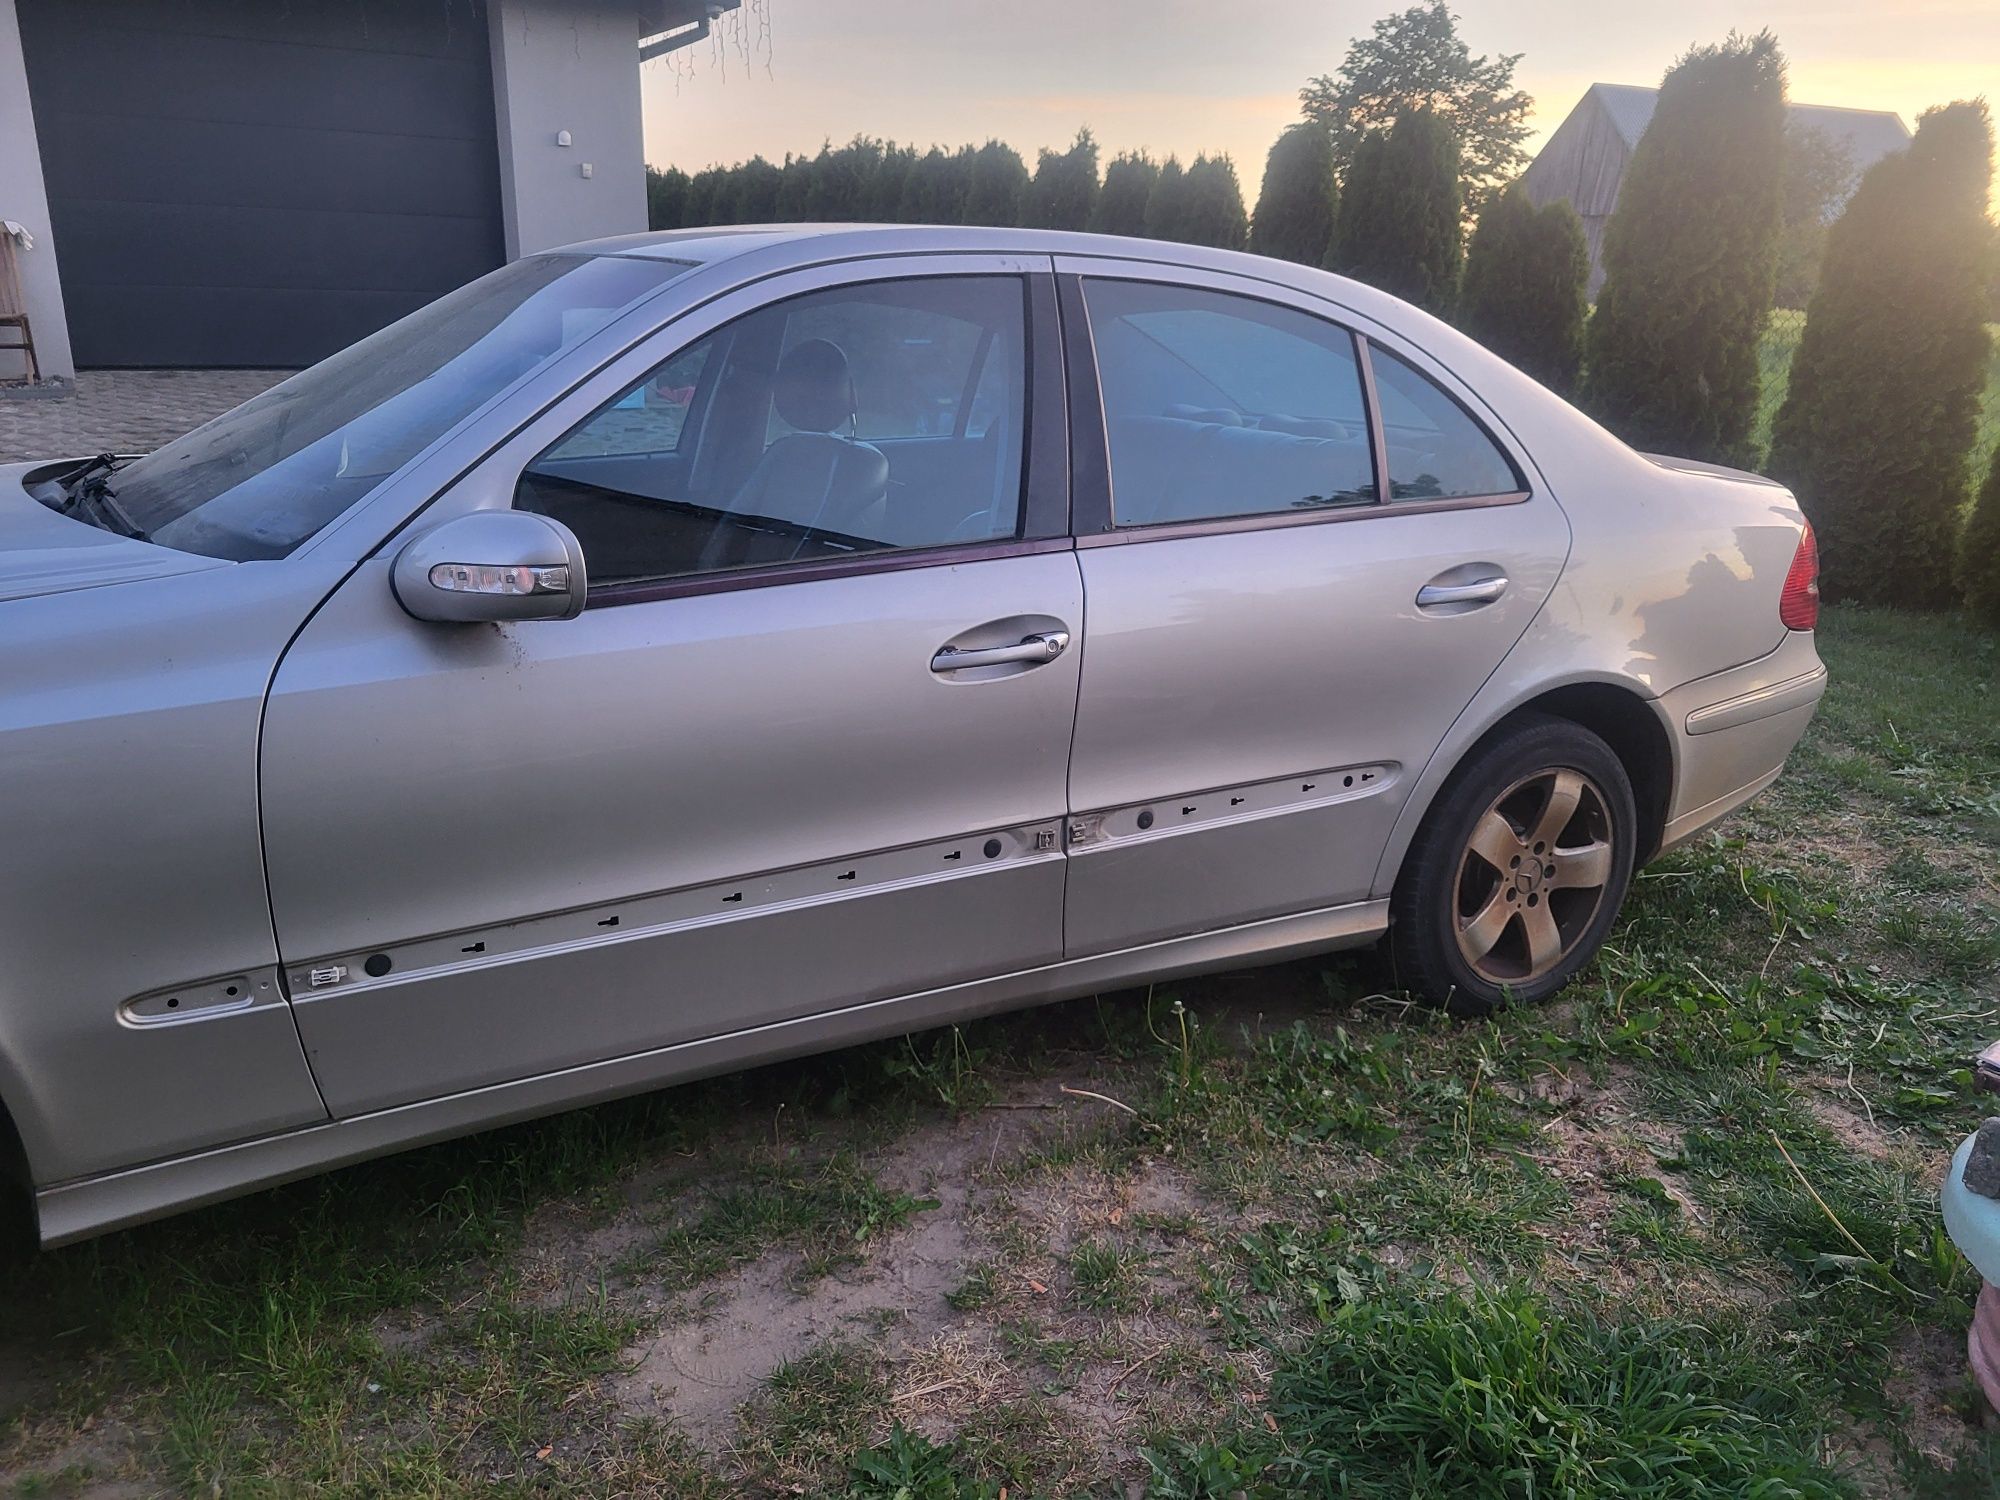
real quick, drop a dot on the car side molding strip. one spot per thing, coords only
(652, 914)
(1177, 812)
(1763, 703)
(74, 1210)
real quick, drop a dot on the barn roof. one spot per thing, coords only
(1868, 134)
(1584, 160)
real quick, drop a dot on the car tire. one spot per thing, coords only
(1518, 870)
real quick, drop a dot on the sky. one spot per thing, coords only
(1180, 77)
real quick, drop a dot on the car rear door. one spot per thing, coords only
(1275, 650)
(750, 783)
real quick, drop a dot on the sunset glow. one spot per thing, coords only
(1176, 77)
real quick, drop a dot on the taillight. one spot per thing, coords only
(1798, 605)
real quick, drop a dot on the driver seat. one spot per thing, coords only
(811, 477)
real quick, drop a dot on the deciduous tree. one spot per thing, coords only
(1415, 60)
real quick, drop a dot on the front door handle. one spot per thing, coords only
(1479, 591)
(1045, 646)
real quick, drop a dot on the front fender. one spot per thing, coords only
(131, 865)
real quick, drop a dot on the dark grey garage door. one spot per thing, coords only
(243, 182)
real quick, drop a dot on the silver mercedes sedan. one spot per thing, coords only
(678, 652)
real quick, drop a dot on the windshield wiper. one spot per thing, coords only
(89, 487)
(90, 468)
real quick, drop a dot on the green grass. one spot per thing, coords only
(828, 1208)
(909, 1466)
(1832, 950)
(1418, 1393)
(814, 1411)
(239, 1330)
(1107, 1277)
(978, 1288)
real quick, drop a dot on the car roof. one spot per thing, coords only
(773, 247)
(815, 242)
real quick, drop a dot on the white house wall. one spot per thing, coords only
(566, 66)
(24, 199)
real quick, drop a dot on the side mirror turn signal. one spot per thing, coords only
(492, 565)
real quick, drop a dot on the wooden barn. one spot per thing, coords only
(1584, 161)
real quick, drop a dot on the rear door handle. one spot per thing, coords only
(1045, 646)
(1479, 591)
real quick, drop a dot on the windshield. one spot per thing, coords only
(259, 480)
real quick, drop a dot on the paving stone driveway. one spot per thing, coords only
(122, 411)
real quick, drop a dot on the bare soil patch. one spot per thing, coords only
(1931, 1387)
(728, 1336)
(1018, 1187)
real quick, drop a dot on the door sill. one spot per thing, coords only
(74, 1210)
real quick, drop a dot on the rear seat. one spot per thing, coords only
(1184, 468)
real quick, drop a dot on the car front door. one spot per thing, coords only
(767, 772)
(1302, 554)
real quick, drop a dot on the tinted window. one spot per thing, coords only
(1436, 450)
(883, 415)
(1218, 405)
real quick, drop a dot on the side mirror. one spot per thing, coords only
(491, 565)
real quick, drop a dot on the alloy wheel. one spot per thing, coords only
(1533, 875)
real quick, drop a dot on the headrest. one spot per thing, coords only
(814, 389)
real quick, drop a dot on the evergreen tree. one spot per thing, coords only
(1883, 405)
(666, 197)
(1065, 187)
(1690, 258)
(1414, 60)
(1979, 553)
(934, 192)
(1165, 201)
(840, 181)
(1399, 223)
(1295, 210)
(997, 182)
(752, 194)
(795, 190)
(883, 202)
(704, 189)
(1523, 293)
(1212, 205)
(1121, 202)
